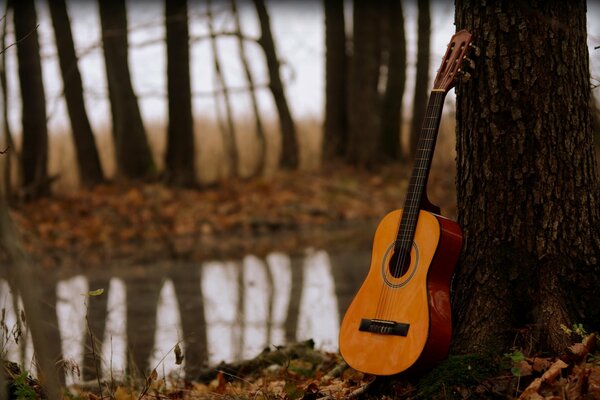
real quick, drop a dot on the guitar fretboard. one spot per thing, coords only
(422, 164)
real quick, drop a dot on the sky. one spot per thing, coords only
(299, 34)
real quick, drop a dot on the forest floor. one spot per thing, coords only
(143, 222)
(140, 222)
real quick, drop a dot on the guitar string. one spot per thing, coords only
(413, 205)
(401, 239)
(410, 213)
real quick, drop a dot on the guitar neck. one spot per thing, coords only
(422, 165)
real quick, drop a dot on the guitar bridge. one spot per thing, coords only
(383, 327)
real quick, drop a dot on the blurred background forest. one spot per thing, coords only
(215, 166)
(256, 88)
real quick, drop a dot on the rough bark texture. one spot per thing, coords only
(289, 143)
(179, 159)
(336, 118)
(88, 161)
(422, 76)
(526, 178)
(134, 159)
(391, 107)
(34, 153)
(364, 141)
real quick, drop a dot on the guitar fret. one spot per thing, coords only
(416, 186)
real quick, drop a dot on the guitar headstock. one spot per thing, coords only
(454, 60)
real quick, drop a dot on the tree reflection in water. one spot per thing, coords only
(216, 311)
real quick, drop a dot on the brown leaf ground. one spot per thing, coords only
(145, 221)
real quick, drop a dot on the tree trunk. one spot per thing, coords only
(422, 77)
(134, 159)
(10, 150)
(34, 153)
(260, 131)
(336, 116)
(289, 142)
(391, 108)
(88, 161)
(364, 140)
(228, 129)
(179, 159)
(526, 179)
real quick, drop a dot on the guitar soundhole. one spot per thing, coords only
(399, 263)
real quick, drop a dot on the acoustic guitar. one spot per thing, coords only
(400, 318)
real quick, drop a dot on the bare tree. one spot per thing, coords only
(260, 131)
(134, 159)
(229, 137)
(88, 161)
(336, 118)
(34, 153)
(180, 155)
(9, 149)
(289, 142)
(391, 107)
(364, 141)
(422, 78)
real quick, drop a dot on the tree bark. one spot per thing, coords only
(391, 108)
(364, 141)
(88, 161)
(134, 159)
(422, 76)
(289, 143)
(180, 155)
(336, 116)
(34, 153)
(527, 179)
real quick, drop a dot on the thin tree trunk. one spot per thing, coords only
(391, 108)
(230, 136)
(260, 131)
(34, 153)
(88, 161)
(26, 281)
(180, 155)
(289, 157)
(422, 77)
(364, 142)
(527, 180)
(10, 150)
(336, 117)
(134, 159)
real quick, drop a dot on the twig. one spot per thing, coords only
(20, 40)
(353, 395)
(94, 355)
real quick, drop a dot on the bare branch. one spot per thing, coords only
(20, 40)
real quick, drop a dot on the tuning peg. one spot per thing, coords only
(468, 63)
(465, 76)
(476, 50)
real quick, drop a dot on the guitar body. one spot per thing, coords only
(418, 300)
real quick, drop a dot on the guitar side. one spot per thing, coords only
(421, 300)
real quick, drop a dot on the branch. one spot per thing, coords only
(20, 40)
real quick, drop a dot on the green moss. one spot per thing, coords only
(457, 371)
